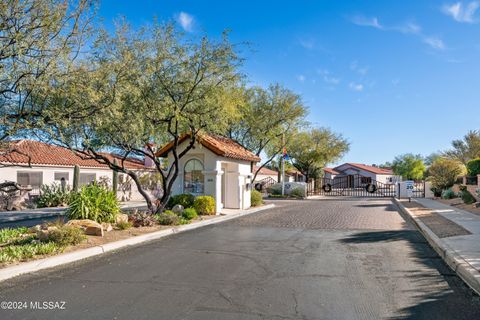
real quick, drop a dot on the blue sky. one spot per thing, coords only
(392, 76)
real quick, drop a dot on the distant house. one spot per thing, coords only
(34, 163)
(217, 166)
(265, 173)
(293, 175)
(366, 173)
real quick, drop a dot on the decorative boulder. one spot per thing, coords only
(121, 218)
(88, 226)
(178, 209)
(107, 227)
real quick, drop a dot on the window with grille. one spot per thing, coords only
(60, 175)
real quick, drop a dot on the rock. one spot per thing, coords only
(42, 233)
(121, 218)
(107, 227)
(178, 208)
(88, 226)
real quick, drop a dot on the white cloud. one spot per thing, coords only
(435, 43)
(356, 86)
(361, 70)
(367, 22)
(410, 27)
(328, 78)
(462, 12)
(301, 78)
(186, 21)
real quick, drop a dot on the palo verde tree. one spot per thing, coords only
(465, 149)
(145, 88)
(39, 39)
(409, 166)
(267, 117)
(313, 149)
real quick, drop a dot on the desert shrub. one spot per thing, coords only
(473, 167)
(275, 189)
(124, 225)
(189, 214)
(204, 205)
(141, 219)
(436, 192)
(28, 251)
(297, 193)
(448, 194)
(467, 197)
(66, 235)
(255, 198)
(444, 173)
(167, 218)
(52, 196)
(186, 200)
(9, 234)
(95, 203)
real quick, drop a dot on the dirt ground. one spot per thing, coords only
(458, 203)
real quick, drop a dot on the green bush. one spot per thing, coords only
(189, 214)
(255, 198)
(52, 196)
(297, 193)
(66, 235)
(473, 167)
(186, 200)
(167, 218)
(204, 205)
(448, 194)
(28, 251)
(124, 225)
(276, 189)
(95, 203)
(467, 197)
(9, 234)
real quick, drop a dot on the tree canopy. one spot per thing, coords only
(409, 166)
(465, 149)
(313, 149)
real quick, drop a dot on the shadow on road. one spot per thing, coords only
(438, 293)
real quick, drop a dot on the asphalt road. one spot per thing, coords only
(312, 259)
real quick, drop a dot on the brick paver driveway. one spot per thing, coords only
(312, 259)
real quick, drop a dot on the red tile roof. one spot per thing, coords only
(365, 167)
(330, 170)
(219, 145)
(39, 153)
(265, 171)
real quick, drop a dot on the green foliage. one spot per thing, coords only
(466, 149)
(443, 173)
(204, 205)
(95, 203)
(27, 251)
(66, 235)
(313, 149)
(124, 225)
(448, 194)
(76, 178)
(9, 234)
(186, 200)
(409, 166)
(53, 196)
(467, 197)
(189, 214)
(473, 167)
(256, 198)
(167, 218)
(275, 189)
(298, 193)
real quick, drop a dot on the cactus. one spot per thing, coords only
(76, 178)
(115, 179)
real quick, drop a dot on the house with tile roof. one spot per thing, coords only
(216, 166)
(33, 163)
(366, 172)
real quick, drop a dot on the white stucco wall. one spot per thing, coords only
(236, 174)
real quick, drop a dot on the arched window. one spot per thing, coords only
(193, 179)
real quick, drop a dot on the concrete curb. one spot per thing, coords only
(32, 216)
(455, 261)
(53, 261)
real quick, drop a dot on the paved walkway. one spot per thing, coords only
(466, 245)
(311, 259)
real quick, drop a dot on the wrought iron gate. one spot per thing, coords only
(352, 186)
